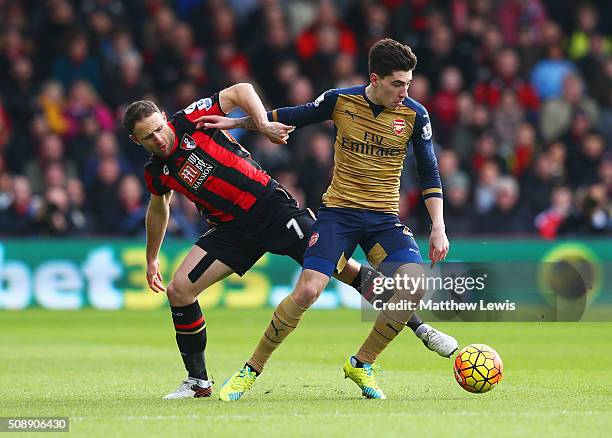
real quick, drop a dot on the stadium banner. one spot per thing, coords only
(109, 275)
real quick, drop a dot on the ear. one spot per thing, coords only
(134, 139)
(164, 115)
(374, 79)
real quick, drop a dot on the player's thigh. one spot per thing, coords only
(333, 240)
(350, 272)
(293, 236)
(231, 246)
(390, 246)
(198, 271)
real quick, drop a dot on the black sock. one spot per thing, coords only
(191, 338)
(414, 322)
(364, 283)
(358, 363)
(251, 368)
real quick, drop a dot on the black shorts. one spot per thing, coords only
(276, 224)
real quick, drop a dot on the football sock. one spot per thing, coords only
(387, 326)
(191, 338)
(414, 322)
(364, 284)
(285, 319)
(356, 362)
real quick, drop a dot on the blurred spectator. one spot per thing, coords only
(507, 118)
(419, 89)
(58, 20)
(185, 220)
(445, 103)
(473, 122)
(270, 156)
(20, 104)
(103, 194)
(486, 150)
(557, 114)
(316, 171)
(79, 214)
(521, 154)
(77, 63)
(323, 35)
(549, 220)
(507, 215)
(106, 147)
(484, 190)
(50, 151)
(440, 54)
(54, 215)
(592, 215)
(515, 16)
(131, 83)
(132, 208)
(581, 39)
(548, 75)
(539, 183)
(583, 164)
(507, 77)
(266, 59)
(53, 104)
(13, 46)
(19, 217)
(459, 215)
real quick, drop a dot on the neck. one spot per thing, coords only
(370, 93)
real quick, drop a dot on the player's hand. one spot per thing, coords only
(154, 277)
(217, 122)
(438, 245)
(276, 132)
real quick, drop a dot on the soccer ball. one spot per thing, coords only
(478, 368)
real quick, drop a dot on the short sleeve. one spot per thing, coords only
(152, 174)
(208, 106)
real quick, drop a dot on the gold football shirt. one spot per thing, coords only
(370, 147)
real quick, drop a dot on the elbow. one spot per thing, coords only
(244, 86)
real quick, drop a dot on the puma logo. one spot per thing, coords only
(276, 330)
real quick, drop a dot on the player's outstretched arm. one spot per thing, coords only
(295, 116)
(243, 95)
(158, 214)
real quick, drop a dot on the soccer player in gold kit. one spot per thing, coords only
(374, 123)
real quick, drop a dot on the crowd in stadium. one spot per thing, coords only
(519, 93)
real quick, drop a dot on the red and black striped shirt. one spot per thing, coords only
(207, 166)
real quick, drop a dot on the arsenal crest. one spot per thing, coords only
(187, 142)
(313, 239)
(398, 126)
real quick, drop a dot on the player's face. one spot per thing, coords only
(154, 134)
(391, 90)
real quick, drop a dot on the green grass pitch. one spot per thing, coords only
(107, 371)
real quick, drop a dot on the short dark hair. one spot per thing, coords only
(137, 111)
(388, 55)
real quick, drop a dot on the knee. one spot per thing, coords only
(306, 294)
(178, 294)
(415, 279)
